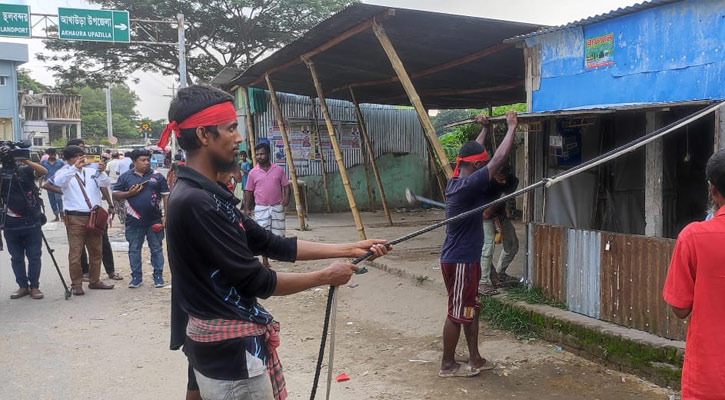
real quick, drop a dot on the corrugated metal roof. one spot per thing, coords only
(423, 40)
(597, 18)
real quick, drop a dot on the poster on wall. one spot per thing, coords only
(303, 145)
(599, 51)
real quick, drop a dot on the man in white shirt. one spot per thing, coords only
(124, 164)
(74, 179)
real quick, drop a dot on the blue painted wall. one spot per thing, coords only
(674, 52)
(11, 56)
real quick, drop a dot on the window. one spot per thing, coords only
(38, 141)
(3, 80)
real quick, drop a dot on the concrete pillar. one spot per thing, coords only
(64, 131)
(78, 130)
(654, 174)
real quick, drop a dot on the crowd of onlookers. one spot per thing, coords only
(129, 189)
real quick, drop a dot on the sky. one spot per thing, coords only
(153, 89)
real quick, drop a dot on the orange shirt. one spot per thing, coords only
(696, 279)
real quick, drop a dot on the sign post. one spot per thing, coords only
(15, 20)
(93, 25)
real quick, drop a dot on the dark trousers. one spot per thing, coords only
(25, 242)
(107, 251)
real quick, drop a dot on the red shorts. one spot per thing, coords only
(462, 284)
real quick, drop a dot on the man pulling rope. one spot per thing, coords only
(230, 339)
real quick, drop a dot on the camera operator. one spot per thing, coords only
(22, 221)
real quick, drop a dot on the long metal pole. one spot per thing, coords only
(109, 115)
(182, 50)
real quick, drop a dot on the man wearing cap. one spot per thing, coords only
(230, 338)
(81, 188)
(469, 188)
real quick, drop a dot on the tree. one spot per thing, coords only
(219, 34)
(26, 83)
(123, 113)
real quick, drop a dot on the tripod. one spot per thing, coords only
(9, 177)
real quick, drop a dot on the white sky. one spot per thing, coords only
(154, 88)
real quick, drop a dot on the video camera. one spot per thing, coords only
(11, 152)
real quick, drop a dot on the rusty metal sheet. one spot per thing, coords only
(633, 272)
(583, 257)
(549, 268)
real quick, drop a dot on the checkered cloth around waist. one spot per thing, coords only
(217, 330)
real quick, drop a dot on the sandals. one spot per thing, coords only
(487, 290)
(463, 371)
(115, 276)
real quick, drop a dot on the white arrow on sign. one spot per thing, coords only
(121, 27)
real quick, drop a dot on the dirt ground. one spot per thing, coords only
(114, 344)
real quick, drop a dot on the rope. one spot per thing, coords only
(546, 182)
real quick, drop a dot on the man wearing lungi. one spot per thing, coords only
(268, 189)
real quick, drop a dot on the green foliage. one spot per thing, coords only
(502, 315)
(26, 83)
(93, 112)
(219, 34)
(532, 296)
(58, 143)
(156, 126)
(453, 138)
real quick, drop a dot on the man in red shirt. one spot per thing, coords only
(695, 287)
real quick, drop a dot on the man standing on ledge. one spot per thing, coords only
(216, 278)
(695, 288)
(268, 188)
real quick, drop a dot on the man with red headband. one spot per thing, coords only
(230, 339)
(470, 187)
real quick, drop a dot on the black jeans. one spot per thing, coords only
(107, 257)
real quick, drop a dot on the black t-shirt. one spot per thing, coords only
(214, 271)
(499, 190)
(23, 204)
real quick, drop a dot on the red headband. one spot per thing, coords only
(476, 157)
(210, 116)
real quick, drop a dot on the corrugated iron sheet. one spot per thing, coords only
(633, 273)
(549, 266)
(582, 271)
(391, 129)
(597, 18)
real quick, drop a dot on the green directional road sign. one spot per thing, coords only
(94, 25)
(14, 20)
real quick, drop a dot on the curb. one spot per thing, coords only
(660, 364)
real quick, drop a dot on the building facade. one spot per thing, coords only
(12, 55)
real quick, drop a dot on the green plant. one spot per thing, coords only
(59, 142)
(532, 296)
(420, 279)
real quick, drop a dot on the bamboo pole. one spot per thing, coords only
(439, 68)
(322, 156)
(287, 153)
(371, 152)
(338, 152)
(368, 181)
(250, 126)
(434, 169)
(413, 96)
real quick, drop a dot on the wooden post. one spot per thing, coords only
(250, 126)
(368, 181)
(287, 153)
(719, 129)
(369, 146)
(434, 169)
(316, 131)
(654, 177)
(413, 96)
(338, 152)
